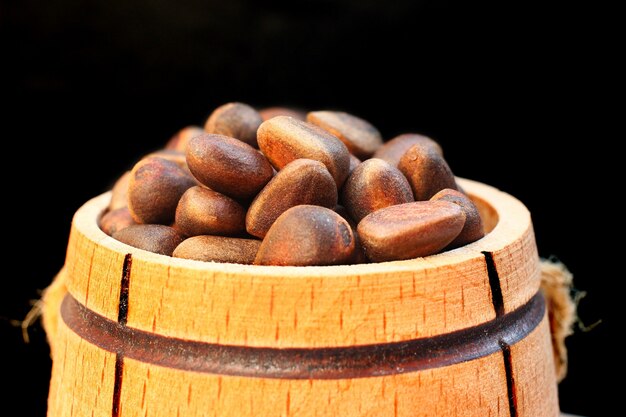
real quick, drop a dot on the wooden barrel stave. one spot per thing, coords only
(344, 308)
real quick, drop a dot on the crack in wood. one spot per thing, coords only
(122, 318)
(498, 305)
(510, 380)
(122, 315)
(117, 387)
(494, 283)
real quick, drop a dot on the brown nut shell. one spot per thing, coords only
(427, 171)
(151, 237)
(358, 256)
(393, 150)
(218, 249)
(228, 165)
(236, 120)
(302, 181)
(119, 192)
(179, 141)
(307, 235)
(410, 230)
(473, 228)
(177, 157)
(202, 211)
(354, 162)
(284, 139)
(373, 185)
(116, 220)
(361, 138)
(155, 187)
(271, 112)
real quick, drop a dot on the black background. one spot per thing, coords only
(508, 92)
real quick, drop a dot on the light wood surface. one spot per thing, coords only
(82, 375)
(306, 307)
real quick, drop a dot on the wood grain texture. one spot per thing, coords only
(439, 392)
(530, 373)
(305, 363)
(82, 386)
(311, 306)
(82, 377)
(282, 308)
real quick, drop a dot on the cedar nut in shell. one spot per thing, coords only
(284, 139)
(115, 220)
(393, 150)
(151, 237)
(473, 228)
(202, 211)
(307, 235)
(218, 249)
(154, 189)
(427, 171)
(361, 138)
(236, 120)
(410, 230)
(228, 165)
(373, 185)
(302, 181)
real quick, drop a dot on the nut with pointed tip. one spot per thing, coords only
(228, 165)
(236, 120)
(473, 228)
(154, 189)
(305, 236)
(302, 181)
(373, 185)
(427, 171)
(361, 138)
(202, 211)
(151, 237)
(283, 139)
(393, 149)
(218, 249)
(410, 230)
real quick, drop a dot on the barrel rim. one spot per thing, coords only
(508, 209)
(282, 306)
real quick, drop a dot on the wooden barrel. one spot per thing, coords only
(462, 333)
